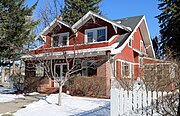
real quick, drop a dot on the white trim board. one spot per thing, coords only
(86, 17)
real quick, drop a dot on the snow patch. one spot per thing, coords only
(9, 97)
(33, 93)
(70, 106)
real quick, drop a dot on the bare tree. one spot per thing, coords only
(72, 64)
(163, 76)
(48, 12)
(160, 75)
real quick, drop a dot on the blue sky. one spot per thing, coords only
(115, 9)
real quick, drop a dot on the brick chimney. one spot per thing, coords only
(59, 18)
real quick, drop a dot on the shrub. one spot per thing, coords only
(88, 86)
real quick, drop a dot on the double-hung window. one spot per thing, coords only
(96, 35)
(127, 70)
(90, 37)
(101, 35)
(61, 39)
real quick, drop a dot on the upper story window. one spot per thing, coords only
(141, 46)
(96, 35)
(61, 39)
(130, 42)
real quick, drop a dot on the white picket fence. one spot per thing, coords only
(133, 102)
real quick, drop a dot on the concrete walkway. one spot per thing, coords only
(19, 103)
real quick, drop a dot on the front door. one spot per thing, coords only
(60, 72)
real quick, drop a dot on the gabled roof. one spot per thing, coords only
(134, 23)
(53, 24)
(89, 15)
(131, 22)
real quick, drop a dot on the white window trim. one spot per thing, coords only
(141, 46)
(132, 37)
(61, 64)
(139, 58)
(131, 71)
(94, 30)
(60, 34)
(131, 42)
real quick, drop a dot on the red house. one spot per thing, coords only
(123, 45)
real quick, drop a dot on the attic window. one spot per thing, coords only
(96, 35)
(60, 39)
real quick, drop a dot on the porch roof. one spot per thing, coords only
(78, 53)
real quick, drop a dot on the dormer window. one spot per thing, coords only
(101, 35)
(90, 36)
(61, 39)
(96, 35)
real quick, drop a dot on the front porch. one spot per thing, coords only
(44, 77)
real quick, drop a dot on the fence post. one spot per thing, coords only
(114, 102)
(121, 103)
(126, 102)
(140, 102)
(145, 101)
(154, 101)
(149, 101)
(134, 100)
(130, 101)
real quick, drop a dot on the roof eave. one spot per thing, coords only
(86, 17)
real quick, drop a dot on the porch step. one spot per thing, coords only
(48, 90)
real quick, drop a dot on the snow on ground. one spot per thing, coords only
(71, 106)
(9, 97)
(33, 93)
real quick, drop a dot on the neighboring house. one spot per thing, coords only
(125, 40)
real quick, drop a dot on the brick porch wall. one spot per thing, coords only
(104, 71)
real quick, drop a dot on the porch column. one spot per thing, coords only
(104, 71)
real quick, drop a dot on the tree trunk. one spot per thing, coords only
(11, 70)
(60, 95)
(3, 73)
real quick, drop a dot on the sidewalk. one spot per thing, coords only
(20, 103)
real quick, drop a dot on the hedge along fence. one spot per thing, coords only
(88, 86)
